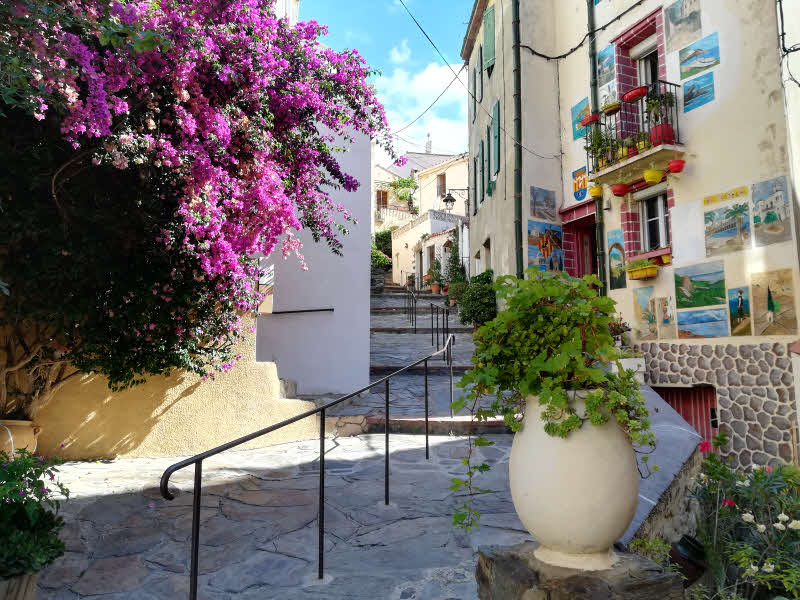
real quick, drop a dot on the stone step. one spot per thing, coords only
(350, 425)
(435, 367)
(426, 330)
(426, 309)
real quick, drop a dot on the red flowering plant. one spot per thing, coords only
(152, 151)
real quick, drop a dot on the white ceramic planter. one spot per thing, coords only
(577, 495)
(635, 364)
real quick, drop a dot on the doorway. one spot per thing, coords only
(586, 242)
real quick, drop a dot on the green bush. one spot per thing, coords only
(29, 523)
(456, 291)
(379, 259)
(436, 272)
(454, 269)
(486, 277)
(478, 304)
(383, 241)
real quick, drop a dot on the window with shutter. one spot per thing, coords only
(483, 172)
(488, 37)
(496, 136)
(480, 76)
(488, 161)
(474, 93)
(475, 186)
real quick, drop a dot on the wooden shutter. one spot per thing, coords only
(496, 135)
(483, 172)
(480, 76)
(475, 186)
(488, 160)
(474, 93)
(488, 37)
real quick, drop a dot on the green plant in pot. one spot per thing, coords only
(29, 521)
(435, 272)
(573, 471)
(657, 108)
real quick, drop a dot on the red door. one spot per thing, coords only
(697, 406)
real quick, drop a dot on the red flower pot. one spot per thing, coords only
(619, 189)
(662, 134)
(676, 166)
(592, 118)
(634, 94)
(633, 151)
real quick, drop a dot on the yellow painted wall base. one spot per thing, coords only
(171, 416)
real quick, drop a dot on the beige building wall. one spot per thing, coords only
(456, 174)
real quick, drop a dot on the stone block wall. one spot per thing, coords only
(755, 392)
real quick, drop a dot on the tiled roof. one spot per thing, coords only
(419, 161)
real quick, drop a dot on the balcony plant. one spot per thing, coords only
(642, 268)
(611, 107)
(630, 146)
(29, 521)
(601, 147)
(573, 469)
(657, 108)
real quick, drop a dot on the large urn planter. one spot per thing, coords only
(18, 434)
(22, 587)
(578, 495)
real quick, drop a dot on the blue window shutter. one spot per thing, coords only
(480, 77)
(483, 173)
(496, 135)
(488, 37)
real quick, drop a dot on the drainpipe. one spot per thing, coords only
(518, 137)
(600, 230)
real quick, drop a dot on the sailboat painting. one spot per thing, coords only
(700, 56)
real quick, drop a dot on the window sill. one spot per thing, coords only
(662, 256)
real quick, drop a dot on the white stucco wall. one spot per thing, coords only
(456, 177)
(328, 351)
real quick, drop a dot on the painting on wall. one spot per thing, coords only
(698, 91)
(700, 285)
(545, 251)
(739, 309)
(771, 212)
(580, 110)
(774, 310)
(605, 66)
(700, 56)
(608, 92)
(543, 204)
(682, 24)
(645, 313)
(616, 260)
(739, 192)
(579, 184)
(727, 229)
(665, 319)
(709, 323)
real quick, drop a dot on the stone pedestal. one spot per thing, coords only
(514, 573)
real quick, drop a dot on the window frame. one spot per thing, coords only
(441, 184)
(662, 217)
(382, 195)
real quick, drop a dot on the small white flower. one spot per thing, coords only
(768, 567)
(753, 569)
(703, 477)
(748, 517)
(783, 518)
(744, 483)
(761, 528)
(779, 526)
(794, 524)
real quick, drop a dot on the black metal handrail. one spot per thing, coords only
(444, 329)
(411, 307)
(647, 122)
(197, 459)
(302, 310)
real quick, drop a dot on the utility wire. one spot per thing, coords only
(432, 103)
(449, 66)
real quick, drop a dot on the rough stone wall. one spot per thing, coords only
(755, 392)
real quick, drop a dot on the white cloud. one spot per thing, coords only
(406, 94)
(401, 54)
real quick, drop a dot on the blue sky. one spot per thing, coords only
(412, 74)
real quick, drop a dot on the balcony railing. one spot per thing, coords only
(648, 120)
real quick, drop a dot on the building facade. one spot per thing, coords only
(680, 106)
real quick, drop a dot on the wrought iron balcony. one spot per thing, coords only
(642, 129)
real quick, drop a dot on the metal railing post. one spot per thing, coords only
(427, 448)
(195, 557)
(386, 430)
(437, 327)
(450, 361)
(415, 314)
(321, 520)
(431, 323)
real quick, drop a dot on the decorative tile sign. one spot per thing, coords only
(774, 310)
(739, 192)
(708, 323)
(700, 56)
(616, 260)
(698, 91)
(543, 204)
(545, 248)
(644, 313)
(700, 285)
(665, 318)
(682, 24)
(739, 309)
(579, 111)
(727, 229)
(579, 184)
(772, 222)
(605, 66)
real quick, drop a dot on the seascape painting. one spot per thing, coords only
(545, 251)
(543, 204)
(709, 323)
(772, 220)
(698, 91)
(727, 229)
(774, 311)
(700, 56)
(739, 309)
(682, 24)
(700, 285)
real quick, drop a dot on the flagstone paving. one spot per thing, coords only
(259, 525)
(400, 349)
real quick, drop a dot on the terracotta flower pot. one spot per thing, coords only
(676, 166)
(18, 434)
(619, 189)
(22, 587)
(662, 134)
(634, 94)
(632, 151)
(592, 118)
(596, 191)
(435, 288)
(576, 495)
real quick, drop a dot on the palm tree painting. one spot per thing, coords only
(727, 229)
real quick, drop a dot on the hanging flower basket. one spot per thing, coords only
(611, 108)
(592, 118)
(643, 272)
(619, 189)
(653, 176)
(596, 191)
(634, 94)
(676, 166)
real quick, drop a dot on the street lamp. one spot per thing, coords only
(449, 202)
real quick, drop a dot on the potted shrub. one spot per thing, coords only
(656, 107)
(435, 273)
(478, 301)
(642, 268)
(456, 291)
(611, 107)
(29, 521)
(410, 280)
(573, 471)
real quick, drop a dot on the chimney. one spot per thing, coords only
(428, 145)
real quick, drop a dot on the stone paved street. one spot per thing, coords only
(259, 532)
(400, 321)
(401, 349)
